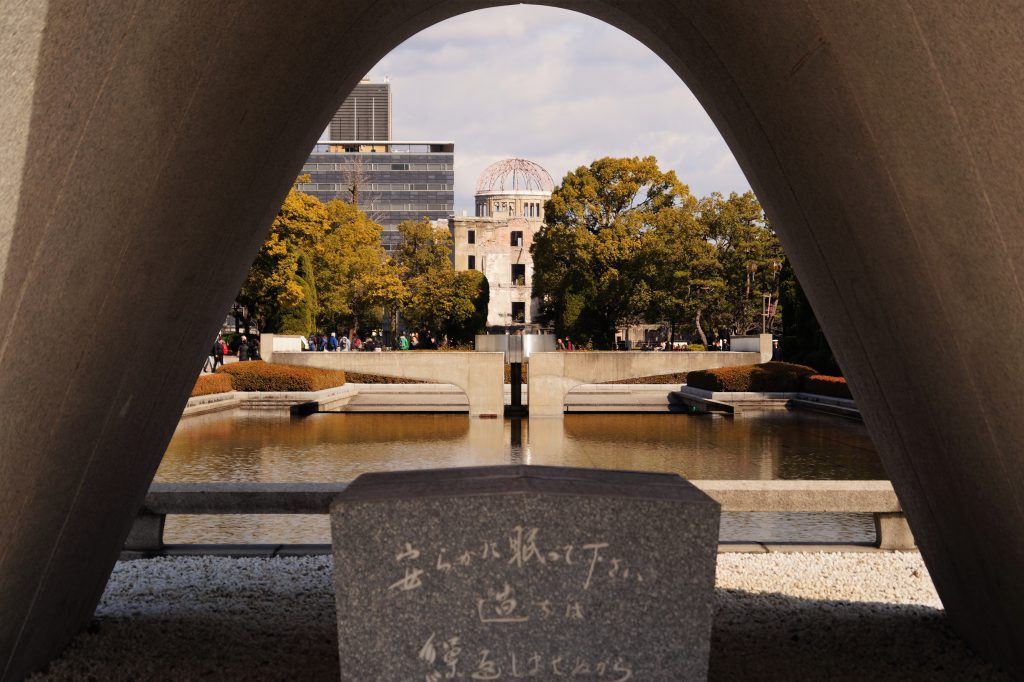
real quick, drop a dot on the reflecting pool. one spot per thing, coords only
(248, 446)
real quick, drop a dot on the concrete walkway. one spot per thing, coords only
(778, 617)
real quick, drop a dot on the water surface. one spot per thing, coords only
(248, 446)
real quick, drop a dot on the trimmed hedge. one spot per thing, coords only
(266, 376)
(208, 384)
(767, 377)
(363, 378)
(677, 379)
(821, 384)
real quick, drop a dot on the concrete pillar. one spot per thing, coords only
(145, 153)
(893, 532)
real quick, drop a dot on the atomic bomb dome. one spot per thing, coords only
(513, 188)
(514, 176)
(510, 198)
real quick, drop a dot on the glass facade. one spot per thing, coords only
(392, 181)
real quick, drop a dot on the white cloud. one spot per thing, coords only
(553, 86)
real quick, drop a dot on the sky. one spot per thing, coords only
(553, 86)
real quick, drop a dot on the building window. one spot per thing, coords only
(519, 274)
(519, 312)
(471, 262)
(471, 237)
(517, 238)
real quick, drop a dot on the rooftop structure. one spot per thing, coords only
(365, 114)
(390, 180)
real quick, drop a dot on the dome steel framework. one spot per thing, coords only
(514, 175)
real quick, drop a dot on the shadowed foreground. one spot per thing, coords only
(259, 619)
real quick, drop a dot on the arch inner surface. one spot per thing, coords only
(158, 140)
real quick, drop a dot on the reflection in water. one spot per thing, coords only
(338, 447)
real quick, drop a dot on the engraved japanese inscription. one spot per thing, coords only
(523, 585)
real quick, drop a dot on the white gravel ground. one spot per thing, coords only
(813, 616)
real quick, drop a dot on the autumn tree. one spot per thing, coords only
(439, 298)
(592, 261)
(355, 276)
(276, 286)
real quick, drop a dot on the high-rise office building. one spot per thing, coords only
(391, 181)
(365, 113)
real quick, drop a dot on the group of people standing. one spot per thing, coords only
(374, 342)
(248, 349)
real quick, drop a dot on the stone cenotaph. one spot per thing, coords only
(520, 572)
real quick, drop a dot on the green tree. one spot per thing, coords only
(803, 341)
(687, 276)
(274, 288)
(751, 259)
(592, 261)
(301, 317)
(473, 285)
(439, 298)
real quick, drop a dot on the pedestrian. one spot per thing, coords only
(243, 349)
(403, 342)
(568, 344)
(344, 343)
(414, 342)
(357, 344)
(254, 348)
(312, 341)
(560, 343)
(332, 343)
(217, 353)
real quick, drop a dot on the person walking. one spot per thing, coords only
(332, 343)
(243, 350)
(403, 342)
(568, 344)
(217, 353)
(344, 343)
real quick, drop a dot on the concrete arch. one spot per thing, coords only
(146, 147)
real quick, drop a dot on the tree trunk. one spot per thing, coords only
(700, 330)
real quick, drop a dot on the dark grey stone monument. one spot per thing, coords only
(519, 572)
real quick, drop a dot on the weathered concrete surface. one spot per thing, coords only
(544, 565)
(146, 151)
(479, 375)
(553, 375)
(621, 398)
(802, 496)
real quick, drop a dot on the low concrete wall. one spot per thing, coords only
(553, 375)
(284, 401)
(407, 398)
(479, 375)
(875, 497)
(737, 403)
(622, 398)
